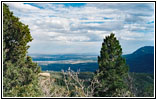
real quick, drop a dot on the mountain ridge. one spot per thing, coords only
(141, 60)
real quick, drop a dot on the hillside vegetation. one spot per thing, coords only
(141, 84)
(142, 60)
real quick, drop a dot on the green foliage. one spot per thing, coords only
(20, 74)
(142, 84)
(112, 69)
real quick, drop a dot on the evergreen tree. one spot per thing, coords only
(112, 69)
(20, 74)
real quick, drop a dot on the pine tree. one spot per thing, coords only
(20, 74)
(112, 69)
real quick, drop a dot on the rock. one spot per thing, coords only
(44, 74)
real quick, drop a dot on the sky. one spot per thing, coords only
(63, 28)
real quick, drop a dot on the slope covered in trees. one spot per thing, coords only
(20, 74)
(142, 60)
(141, 84)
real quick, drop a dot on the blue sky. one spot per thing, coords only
(59, 28)
(65, 4)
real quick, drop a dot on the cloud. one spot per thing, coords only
(86, 23)
(21, 7)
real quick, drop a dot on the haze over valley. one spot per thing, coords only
(85, 62)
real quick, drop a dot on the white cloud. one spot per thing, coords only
(21, 7)
(88, 23)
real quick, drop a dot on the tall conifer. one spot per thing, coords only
(112, 69)
(20, 74)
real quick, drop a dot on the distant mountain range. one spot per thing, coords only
(142, 60)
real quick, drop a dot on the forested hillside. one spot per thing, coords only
(141, 84)
(142, 60)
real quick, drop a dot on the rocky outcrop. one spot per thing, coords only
(44, 74)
